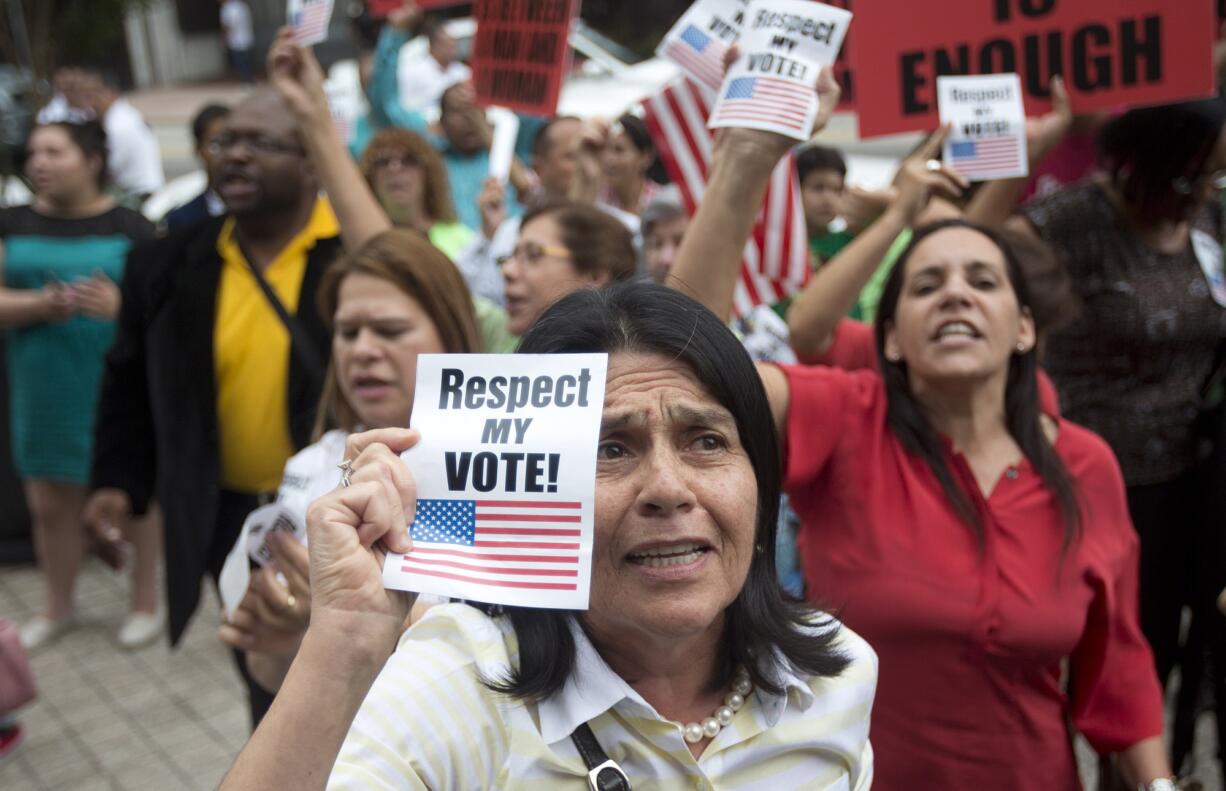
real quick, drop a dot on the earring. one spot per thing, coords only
(1021, 348)
(893, 356)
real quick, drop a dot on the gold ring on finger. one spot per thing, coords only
(291, 603)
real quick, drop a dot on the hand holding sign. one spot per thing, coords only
(296, 75)
(770, 85)
(921, 176)
(352, 529)
(752, 141)
(309, 19)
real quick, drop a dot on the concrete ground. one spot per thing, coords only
(108, 719)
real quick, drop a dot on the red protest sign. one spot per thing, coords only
(842, 64)
(381, 8)
(522, 52)
(1110, 52)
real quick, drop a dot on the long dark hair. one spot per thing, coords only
(763, 622)
(914, 430)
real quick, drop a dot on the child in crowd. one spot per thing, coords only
(823, 172)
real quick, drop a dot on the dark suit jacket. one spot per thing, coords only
(190, 213)
(156, 432)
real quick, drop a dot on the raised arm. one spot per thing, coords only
(296, 75)
(355, 621)
(709, 260)
(832, 292)
(383, 89)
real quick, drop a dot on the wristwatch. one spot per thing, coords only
(1161, 784)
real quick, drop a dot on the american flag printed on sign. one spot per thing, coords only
(775, 263)
(699, 54)
(757, 98)
(987, 156)
(525, 544)
(310, 21)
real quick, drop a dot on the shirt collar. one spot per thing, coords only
(322, 224)
(796, 690)
(593, 688)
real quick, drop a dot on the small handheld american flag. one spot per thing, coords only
(310, 19)
(987, 157)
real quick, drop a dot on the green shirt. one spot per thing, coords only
(492, 320)
(450, 237)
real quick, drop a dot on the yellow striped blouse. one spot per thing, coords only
(428, 722)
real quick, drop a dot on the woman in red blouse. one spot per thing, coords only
(975, 543)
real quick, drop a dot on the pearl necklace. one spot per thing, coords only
(709, 728)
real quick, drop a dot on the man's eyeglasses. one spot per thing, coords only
(401, 161)
(1186, 186)
(531, 254)
(260, 144)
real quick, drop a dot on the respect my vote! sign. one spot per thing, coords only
(506, 476)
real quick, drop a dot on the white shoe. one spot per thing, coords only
(41, 630)
(140, 628)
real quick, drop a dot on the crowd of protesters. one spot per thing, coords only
(988, 433)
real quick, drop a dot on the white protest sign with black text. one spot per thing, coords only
(309, 19)
(506, 478)
(988, 135)
(783, 45)
(701, 37)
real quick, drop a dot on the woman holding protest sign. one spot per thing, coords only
(977, 543)
(563, 245)
(392, 299)
(690, 663)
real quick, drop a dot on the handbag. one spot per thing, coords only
(16, 678)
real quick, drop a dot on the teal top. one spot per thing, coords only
(55, 369)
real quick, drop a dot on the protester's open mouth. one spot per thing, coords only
(671, 555)
(956, 329)
(236, 184)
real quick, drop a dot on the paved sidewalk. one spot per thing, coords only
(109, 719)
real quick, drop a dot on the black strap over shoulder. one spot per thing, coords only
(300, 342)
(603, 772)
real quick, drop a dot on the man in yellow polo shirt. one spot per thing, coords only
(220, 356)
